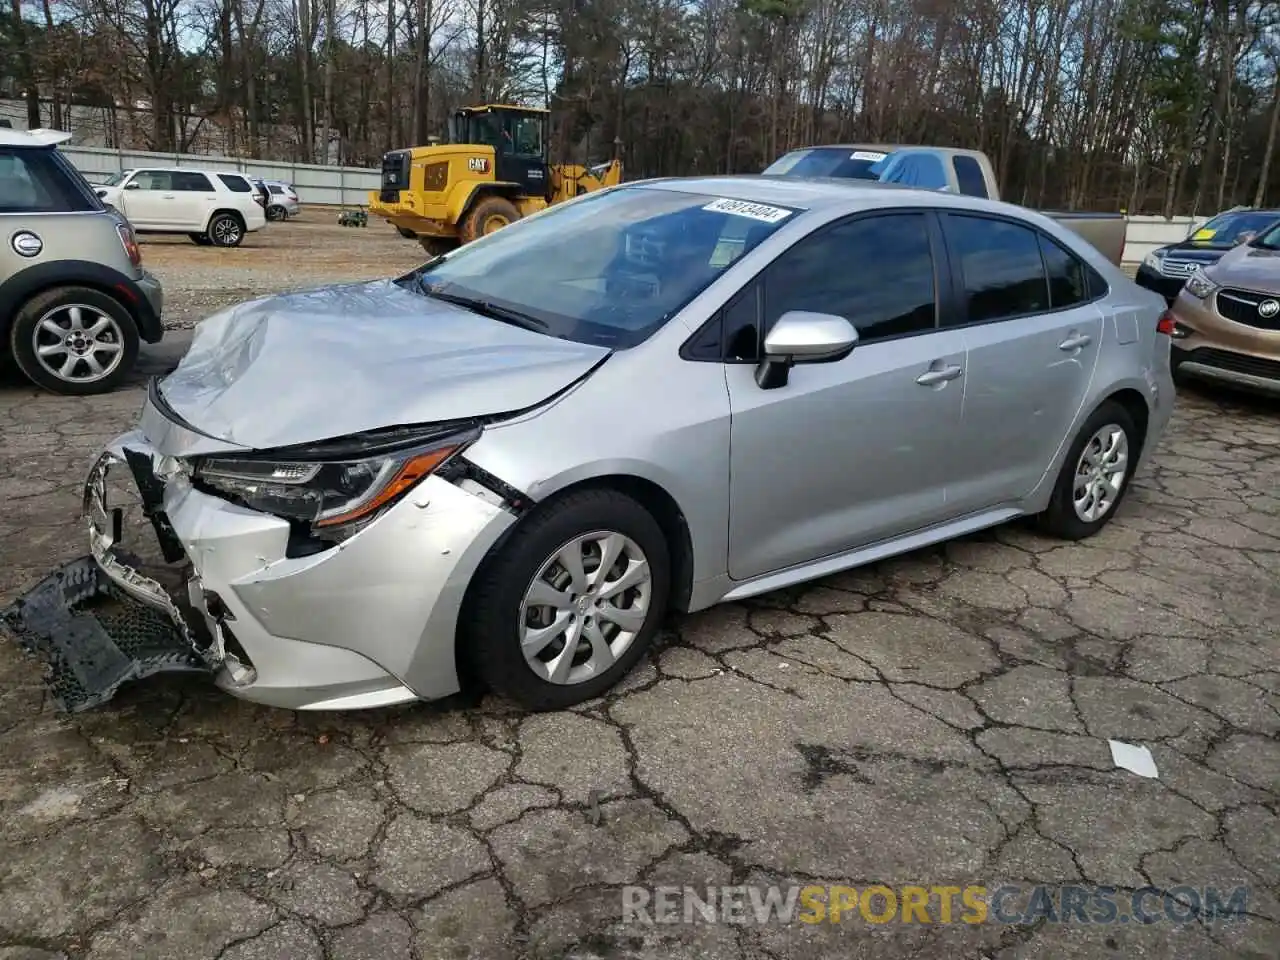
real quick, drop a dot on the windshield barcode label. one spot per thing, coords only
(867, 155)
(743, 208)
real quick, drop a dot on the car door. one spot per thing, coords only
(854, 451)
(1033, 337)
(148, 199)
(195, 199)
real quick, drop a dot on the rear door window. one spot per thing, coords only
(969, 176)
(33, 181)
(1001, 269)
(192, 182)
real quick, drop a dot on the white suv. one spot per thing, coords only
(210, 206)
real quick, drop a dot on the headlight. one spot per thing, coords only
(336, 497)
(1200, 286)
(1152, 260)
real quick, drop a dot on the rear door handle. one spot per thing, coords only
(1075, 342)
(931, 377)
(166, 196)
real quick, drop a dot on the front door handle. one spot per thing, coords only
(1075, 341)
(931, 377)
(166, 196)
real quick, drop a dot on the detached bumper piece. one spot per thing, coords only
(93, 637)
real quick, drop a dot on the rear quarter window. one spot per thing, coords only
(235, 184)
(37, 181)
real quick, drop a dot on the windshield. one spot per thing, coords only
(607, 269)
(115, 179)
(827, 162)
(1230, 229)
(1269, 240)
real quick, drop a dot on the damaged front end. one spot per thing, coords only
(131, 609)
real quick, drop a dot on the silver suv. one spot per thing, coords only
(75, 303)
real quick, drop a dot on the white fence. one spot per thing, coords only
(345, 186)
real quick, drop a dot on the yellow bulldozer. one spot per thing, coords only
(493, 171)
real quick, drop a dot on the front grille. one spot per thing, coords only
(1236, 362)
(1178, 269)
(1242, 306)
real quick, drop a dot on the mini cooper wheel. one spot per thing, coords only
(571, 602)
(225, 230)
(74, 340)
(1095, 474)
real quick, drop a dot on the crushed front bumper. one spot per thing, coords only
(192, 582)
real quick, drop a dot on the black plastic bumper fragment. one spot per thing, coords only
(93, 637)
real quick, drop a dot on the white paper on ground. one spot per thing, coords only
(1134, 759)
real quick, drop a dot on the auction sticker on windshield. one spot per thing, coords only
(744, 208)
(871, 155)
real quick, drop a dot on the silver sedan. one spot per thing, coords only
(512, 462)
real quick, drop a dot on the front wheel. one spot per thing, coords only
(74, 340)
(571, 602)
(1095, 474)
(489, 215)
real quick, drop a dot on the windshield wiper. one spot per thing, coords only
(516, 318)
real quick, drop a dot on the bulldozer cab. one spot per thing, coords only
(518, 136)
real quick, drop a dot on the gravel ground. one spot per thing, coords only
(304, 252)
(937, 720)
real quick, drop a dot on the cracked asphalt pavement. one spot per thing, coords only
(939, 719)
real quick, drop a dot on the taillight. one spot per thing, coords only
(130, 243)
(1166, 324)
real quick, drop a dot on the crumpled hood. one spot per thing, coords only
(326, 363)
(1249, 267)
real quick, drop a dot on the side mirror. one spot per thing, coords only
(133, 185)
(803, 337)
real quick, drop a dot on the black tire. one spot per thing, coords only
(491, 628)
(277, 212)
(488, 214)
(200, 240)
(437, 246)
(225, 229)
(22, 336)
(1061, 518)
(406, 233)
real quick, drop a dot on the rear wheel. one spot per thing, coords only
(1095, 474)
(226, 230)
(74, 340)
(277, 212)
(489, 215)
(571, 602)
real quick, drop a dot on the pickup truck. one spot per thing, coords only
(937, 168)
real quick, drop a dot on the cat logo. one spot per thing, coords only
(478, 164)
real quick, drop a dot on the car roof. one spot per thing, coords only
(807, 193)
(39, 137)
(207, 170)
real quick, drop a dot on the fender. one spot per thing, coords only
(56, 273)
